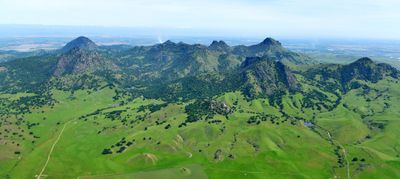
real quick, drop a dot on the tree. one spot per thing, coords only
(106, 151)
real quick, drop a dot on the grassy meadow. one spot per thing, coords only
(88, 134)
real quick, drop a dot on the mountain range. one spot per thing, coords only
(259, 70)
(196, 111)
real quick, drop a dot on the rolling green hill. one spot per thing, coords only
(175, 110)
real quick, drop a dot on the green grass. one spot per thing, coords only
(191, 171)
(229, 149)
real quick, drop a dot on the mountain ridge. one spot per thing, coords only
(265, 72)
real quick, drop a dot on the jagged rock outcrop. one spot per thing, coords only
(263, 76)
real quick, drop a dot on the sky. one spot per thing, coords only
(281, 18)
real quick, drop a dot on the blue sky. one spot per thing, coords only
(282, 18)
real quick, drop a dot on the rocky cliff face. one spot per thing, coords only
(264, 76)
(78, 61)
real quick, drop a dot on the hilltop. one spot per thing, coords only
(79, 43)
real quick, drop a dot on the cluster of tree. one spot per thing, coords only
(355, 159)
(27, 74)
(121, 146)
(214, 121)
(257, 119)
(25, 104)
(188, 88)
(114, 115)
(317, 100)
(198, 110)
(151, 107)
(341, 160)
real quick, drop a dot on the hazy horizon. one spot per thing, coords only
(357, 19)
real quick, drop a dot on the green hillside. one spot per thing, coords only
(175, 110)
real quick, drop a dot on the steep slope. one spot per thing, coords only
(255, 77)
(81, 56)
(263, 76)
(78, 57)
(170, 61)
(79, 60)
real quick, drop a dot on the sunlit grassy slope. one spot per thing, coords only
(150, 144)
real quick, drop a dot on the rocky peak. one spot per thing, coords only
(165, 45)
(363, 61)
(168, 42)
(80, 43)
(270, 41)
(219, 45)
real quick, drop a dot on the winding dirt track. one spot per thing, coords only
(39, 176)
